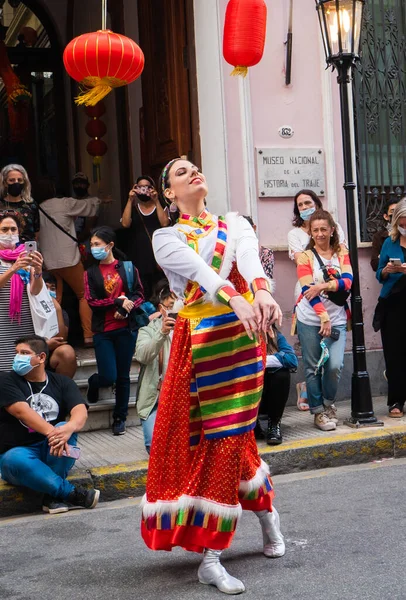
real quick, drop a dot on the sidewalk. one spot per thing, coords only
(118, 465)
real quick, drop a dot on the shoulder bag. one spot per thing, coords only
(339, 297)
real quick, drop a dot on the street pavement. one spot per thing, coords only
(344, 530)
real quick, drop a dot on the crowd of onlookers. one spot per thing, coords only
(53, 249)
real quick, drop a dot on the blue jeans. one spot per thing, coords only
(321, 388)
(114, 353)
(148, 428)
(35, 468)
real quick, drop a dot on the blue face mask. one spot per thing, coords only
(100, 253)
(22, 364)
(306, 214)
(52, 294)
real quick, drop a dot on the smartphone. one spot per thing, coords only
(173, 315)
(395, 261)
(30, 247)
(74, 452)
(335, 333)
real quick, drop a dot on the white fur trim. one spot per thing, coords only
(256, 482)
(226, 511)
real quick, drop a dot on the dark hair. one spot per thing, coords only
(37, 344)
(389, 203)
(44, 189)
(12, 214)
(147, 178)
(161, 292)
(250, 221)
(297, 219)
(324, 215)
(163, 183)
(108, 235)
(48, 278)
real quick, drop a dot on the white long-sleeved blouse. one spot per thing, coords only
(182, 264)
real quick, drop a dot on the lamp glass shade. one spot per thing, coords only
(340, 22)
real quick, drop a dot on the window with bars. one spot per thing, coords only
(379, 87)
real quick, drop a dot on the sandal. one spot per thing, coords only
(395, 415)
(301, 396)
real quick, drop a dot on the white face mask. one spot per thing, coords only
(8, 240)
(402, 230)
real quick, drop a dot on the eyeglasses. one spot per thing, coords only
(165, 306)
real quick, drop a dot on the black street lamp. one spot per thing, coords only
(340, 22)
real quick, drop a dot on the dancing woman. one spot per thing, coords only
(204, 466)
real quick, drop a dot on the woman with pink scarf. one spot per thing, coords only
(17, 268)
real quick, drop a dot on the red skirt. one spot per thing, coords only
(195, 493)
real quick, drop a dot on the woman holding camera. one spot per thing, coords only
(391, 273)
(143, 215)
(17, 269)
(325, 276)
(114, 292)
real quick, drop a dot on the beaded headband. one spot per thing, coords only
(163, 176)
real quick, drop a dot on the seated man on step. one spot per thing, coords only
(35, 439)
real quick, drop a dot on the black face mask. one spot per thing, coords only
(143, 197)
(80, 192)
(15, 189)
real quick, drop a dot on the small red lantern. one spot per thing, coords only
(244, 34)
(96, 128)
(96, 148)
(101, 61)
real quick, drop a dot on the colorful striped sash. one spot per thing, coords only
(228, 369)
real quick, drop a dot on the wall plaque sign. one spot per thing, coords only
(282, 172)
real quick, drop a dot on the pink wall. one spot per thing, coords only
(299, 105)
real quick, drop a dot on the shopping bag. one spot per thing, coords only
(43, 313)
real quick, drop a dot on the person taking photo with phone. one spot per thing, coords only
(143, 214)
(152, 352)
(17, 269)
(390, 312)
(322, 315)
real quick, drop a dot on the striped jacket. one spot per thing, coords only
(305, 276)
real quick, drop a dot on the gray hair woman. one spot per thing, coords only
(391, 308)
(15, 195)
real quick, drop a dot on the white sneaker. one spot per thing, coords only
(212, 572)
(274, 545)
(323, 422)
(331, 413)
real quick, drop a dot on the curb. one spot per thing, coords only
(129, 480)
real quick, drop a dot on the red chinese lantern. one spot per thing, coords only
(101, 61)
(244, 34)
(96, 148)
(96, 128)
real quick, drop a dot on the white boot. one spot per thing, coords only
(274, 546)
(212, 572)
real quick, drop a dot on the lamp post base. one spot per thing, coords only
(355, 423)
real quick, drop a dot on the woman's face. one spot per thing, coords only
(14, 177)
(321, 231)
(186, 182)
(303, 202)
(402, 222)
(8, 233)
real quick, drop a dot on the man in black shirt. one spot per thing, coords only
(35, 440)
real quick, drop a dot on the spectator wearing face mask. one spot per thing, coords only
(380, 236)
(305, 203)
(59, 245)
(143, 215)
(15, 195)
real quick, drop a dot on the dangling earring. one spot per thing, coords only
(173, 208)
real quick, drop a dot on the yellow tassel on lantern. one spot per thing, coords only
(239, 71)
(99, 88)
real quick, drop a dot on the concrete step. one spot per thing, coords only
(101, 414)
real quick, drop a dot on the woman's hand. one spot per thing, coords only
(23, 262)
(246, 313)
(325, 329)
(128, 305)
(132, 194)
(119, 316)
(314, 290)
(36, 262)
(267, 311)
